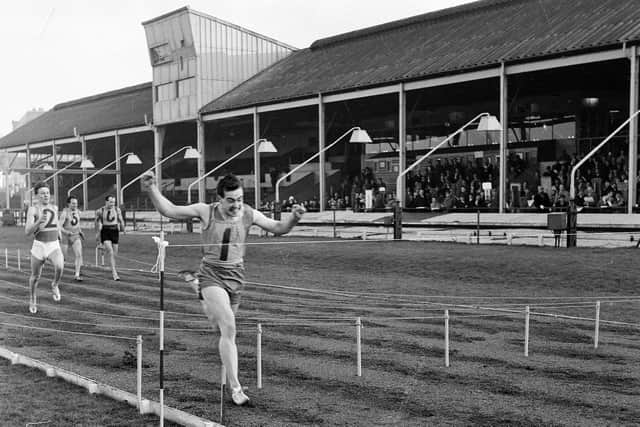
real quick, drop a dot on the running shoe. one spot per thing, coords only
(191, 278)
(239, 398)
(56, 292)
(116, 277)
(33, 308)
(77, 278)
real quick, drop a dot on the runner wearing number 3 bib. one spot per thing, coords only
(42, 222)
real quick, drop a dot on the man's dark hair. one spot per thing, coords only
(70, 198)
(228, 183)
(38, 186)
(108, 197)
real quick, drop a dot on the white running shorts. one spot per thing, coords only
(42, 250)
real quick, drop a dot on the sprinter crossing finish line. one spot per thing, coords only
(220, 279)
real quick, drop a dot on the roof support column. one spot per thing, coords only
(202, 185)
(85, 188)
(158, 139)
(402, 141)
(504, 120)
(633, 131)
(321, 145)
(56, 184)
(256, 158)
(28, 163)
(116, 145)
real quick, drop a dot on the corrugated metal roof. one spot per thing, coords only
(472, 36)
(117, 109)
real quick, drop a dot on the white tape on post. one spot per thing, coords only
(596, 334)
(526, 331)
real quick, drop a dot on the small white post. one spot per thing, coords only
(526, 331)
(19, 269)
(469, 238)
(315, 232)
(364, 235)
(359, 346)
(446, 338)
(540, 240)
(97, 256)
(596, 334)
(6, 258)
(139, 372)
(223, 381)
(509, 239)
(259, 356)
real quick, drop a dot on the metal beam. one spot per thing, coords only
(402, 139)
(633, 130)
(457, 78)
(321, 145)
(227, 114)
(504, 121)
(363, 93)
(566, 61)
(256, 158)
(288, 105)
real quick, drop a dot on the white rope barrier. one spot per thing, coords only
(67, 332)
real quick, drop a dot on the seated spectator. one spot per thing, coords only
(608, 200)
(435, 204)
(420, 200)
(449, 200)
(561, 202)
(541, 199)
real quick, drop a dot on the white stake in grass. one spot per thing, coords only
(139, 372)
(19, 268)
(596, 334)
(6, 258)
(259, 356)
(526, 331)
(446, 338)
(359, 346)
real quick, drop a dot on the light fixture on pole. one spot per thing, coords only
(132, 159)
(264, 146)
(358, 136)
(84, 164)
(488, 123)
(190, 153)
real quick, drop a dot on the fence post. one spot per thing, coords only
(259, 356)
(6, 258)
(509, 239)
(596, 334)
(446, 338)
(526, 331)
(540, 240)
(139, 372)
(19, 268)
(359, 346)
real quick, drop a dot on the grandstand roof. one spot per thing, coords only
(107, 111)
(472, 36)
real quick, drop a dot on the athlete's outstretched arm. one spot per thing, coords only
(282, 226)
(167, 208)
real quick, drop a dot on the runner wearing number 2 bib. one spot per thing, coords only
(42, 222)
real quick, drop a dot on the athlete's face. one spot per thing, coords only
(232, 201)
(44, 195)
(111, 202)
(73, 204)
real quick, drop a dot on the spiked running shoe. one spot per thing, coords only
(191, 278)
(239, 398)
(56, 292)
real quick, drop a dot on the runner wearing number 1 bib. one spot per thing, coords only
(219, 282)
(42, 222)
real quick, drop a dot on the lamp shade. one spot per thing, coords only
(489, 123)
(360, 136)
(266, 146)
(191, 153)
(87, 164)
(46, 167)
(133, 159)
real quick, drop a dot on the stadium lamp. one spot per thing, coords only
(87, 164)
(190, 153)
(358, 136)
(132, 159)
(487, 123)
(264, 146)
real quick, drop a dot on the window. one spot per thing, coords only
(164, 92)
(186, 87)
(160, 54)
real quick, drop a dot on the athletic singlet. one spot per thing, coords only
(47, 232)
(225, 237)
(72, 220)
(109, 216)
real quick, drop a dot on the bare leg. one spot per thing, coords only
(218, 309)
(57, 260)
(77, 252)
(36, 271)
(112, 251)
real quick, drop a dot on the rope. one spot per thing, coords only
(67, 332)
(301, 242)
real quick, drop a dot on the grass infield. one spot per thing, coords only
(309, 334)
